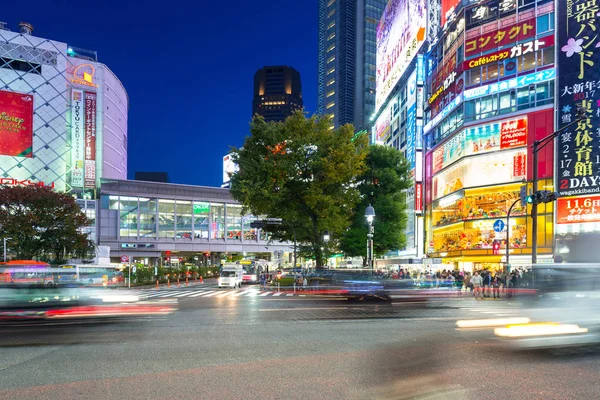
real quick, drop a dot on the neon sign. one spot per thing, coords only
(84, 75)
(535, 77)
(24, 182)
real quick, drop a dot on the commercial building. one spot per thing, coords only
(346, 64)
(154, 222)
(397, 121)
(64, 115)
(490, 92)
(277, 93)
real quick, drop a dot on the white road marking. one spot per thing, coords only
(213, 294)
(202, 293)
(183, 294)
(265, 294)
(225, 294)
(237, 294)
(278, 294)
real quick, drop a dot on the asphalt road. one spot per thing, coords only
(264, 347)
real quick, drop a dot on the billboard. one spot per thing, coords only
(579, 83)
(449, 7)
(578, 209)
(90, 140)
(229, 168)
(400, 34)
(382, 126)
(499, 135)
(77, 138)
(16, 124)
(501, 37)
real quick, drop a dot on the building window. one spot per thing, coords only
(330, 3)
(18, 65)
(331, 82)
(234, 222)
(147, 218)
(331, 71)
(250, 234)
(184, 219)
(331, 36)
(331, 13)
(201, 216)
(331, 47)
(217, 221)
(331, 93)
(331, 59)
(545, 23)
(329, 105)
(128, 216)
(166, 218)
(331, 25)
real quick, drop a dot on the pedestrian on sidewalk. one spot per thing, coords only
(487, 281)
(496, 286)
(460, 279)
(476, 281)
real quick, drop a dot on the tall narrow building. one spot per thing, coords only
(347, 51)
(277, 92)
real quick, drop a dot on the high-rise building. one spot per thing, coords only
(277, 92)
(347, 59)
(66, 115)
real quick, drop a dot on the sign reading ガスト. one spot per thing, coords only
(578, 155)
(16, 124)
(578, 209)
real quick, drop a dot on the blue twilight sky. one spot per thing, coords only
(188, 67)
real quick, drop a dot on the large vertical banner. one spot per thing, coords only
(16, 124)
(411, 119)
(90, 140)
(578, 156)
(77, 138)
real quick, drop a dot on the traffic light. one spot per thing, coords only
(523, 195)
(543, 196)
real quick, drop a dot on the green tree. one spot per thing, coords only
(42, 223)
(303, 172)
(382, 185)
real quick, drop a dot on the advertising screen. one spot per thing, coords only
(578, 209)
(90, 139)
(499, 135)
(229, 168)
(578, 158)
(77, 138)
(449, 7)
(16, 124)
(482, 170)
(382, 126)
(400, 35)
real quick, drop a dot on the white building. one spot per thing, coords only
(75, 133)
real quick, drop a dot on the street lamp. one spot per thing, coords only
(326, 236)
(370, 215)
(5, 239)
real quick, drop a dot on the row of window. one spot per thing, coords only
(495, 71)
(18, 65)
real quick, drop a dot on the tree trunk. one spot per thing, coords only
(317, 243)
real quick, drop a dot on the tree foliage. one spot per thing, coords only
(301, 171)
(42, 223)
(382, 185)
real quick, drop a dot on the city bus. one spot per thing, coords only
(40, 273)
(252, 269)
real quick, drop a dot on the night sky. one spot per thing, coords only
(188, 67)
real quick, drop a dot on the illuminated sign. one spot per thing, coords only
(498, 135)
(579, 86)
(420, 69)
(489, 11)
(84, 75)
(419, 198)
(16, 124)
(24, 182)
(400, 34)
(525, 80)
(90, 140)
(382, 126)
(447, 110)
(501, 37)
(229, 168)
(578, 209)
(447, 82)
(449, 8)
(77, 138)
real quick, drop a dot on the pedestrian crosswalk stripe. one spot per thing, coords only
(183, 294)
(166, 294)
(202, 293)
(224, 294)
(237, 294)
(278, 294)
(212, 294)
(289, 295)
(265, 293)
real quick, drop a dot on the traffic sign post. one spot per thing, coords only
(499, 225)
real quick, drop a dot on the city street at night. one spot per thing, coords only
(267, 347)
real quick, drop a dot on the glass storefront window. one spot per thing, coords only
(128, 216)
(217, 221)
(250, 233)
(184, 219)
(201, 215)
(234, 222)
(147, 218)
(166, 218)
(113, 202)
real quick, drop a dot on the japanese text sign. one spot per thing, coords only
(578, 209)
(578, 156)
(501, 37)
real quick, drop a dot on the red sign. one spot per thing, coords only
(168, 253)
(496, 247)
(513, 133)
(90, 140)
(571, 210)
(419, 197)
(519, 165)
(16, 124)
(501, 37)
(124, 258)
(514, 51)
(448, 8)
(24, 182)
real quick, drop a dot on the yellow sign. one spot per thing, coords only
(84, 75)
